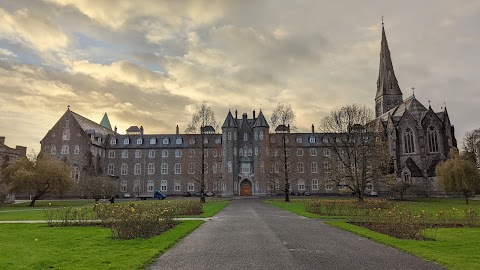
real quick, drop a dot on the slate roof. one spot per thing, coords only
(414, 169)
(412, 105)
(387, 83)
(261, 121)
(105, 122)
(88, 124)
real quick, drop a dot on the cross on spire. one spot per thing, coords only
(68, 107)
(413, 90)
(382, 20)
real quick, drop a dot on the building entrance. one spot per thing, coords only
(246, 188)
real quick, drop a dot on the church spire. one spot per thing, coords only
(388, 94)
(105, 122)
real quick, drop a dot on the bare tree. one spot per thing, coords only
(41, 176)
(202, 119)
(360, 151)
(98, 187)
(282, 120)
(471, 144)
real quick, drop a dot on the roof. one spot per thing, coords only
(387, 83)
(105, 122)
(229, 121)
(261, 121)
(133, 129)
(414, 169)
(412, 105)
(87, 124)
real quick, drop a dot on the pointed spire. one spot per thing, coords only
(105, 122)
(261, 121)
(387, 83)
(229, 121)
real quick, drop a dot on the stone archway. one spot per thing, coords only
(245, 188)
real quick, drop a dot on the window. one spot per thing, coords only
(123, 186)
(126, 141)
(276, 167)
(234, 136)
(165, 140)
(229, 166)
(151, 153)
(245, 137)
(342, 186)
(313, 151)
(245, 168)
(240, 152)
(111, 169)
(137, 169)
(138, 153)
(301, 184)
(191, 168)
(163, 185)
(256, 136)
(164, 153)
(75, 174)
(218, 140)
(164, 168)
(327, 167)
(277, 184)
(136, 186)
(300, 168)
(329, 185)
(214, 152)
(139, 141)
(407, 177)
(256, 151)
(205, 168)
(65, 149)
(191, 152)
(314, 184)
(312, 139)
(250, 152)
(299, 140)
(408, 141)
(191, 186)
(191, 141)
(111, 153)
(151, 168)
(178, 152)
(325, 140)
(326, 152)
(299, 152)
(124, 169)
(432, 139)
(229, 136)
(124, 153)
(179, 141)
(314, 167)
(66, 134)
(176, 185)
(153, 141)
(273, 140)
(53, 150)
(261, 135)
(178, 168)
(76, 150)
(150, 186)
(113, 141)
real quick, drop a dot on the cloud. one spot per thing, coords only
(6, 52)
(33, 30)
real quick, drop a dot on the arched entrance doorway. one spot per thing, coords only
(246, 188)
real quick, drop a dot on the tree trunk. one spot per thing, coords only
(465, 193)
(287, 196)
(202, 177)
(36, 197)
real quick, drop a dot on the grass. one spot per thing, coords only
(435, 205)
(455, 248)
(212, 207)
(36, 246)
(296, 206)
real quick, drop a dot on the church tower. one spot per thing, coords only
(388, 94)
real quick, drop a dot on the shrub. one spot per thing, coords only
(69, 216)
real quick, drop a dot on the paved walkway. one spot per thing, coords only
(249, 234)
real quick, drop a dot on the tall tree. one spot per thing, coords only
(471, 144)
(41, 176)
(202, 118)
(459, 174)
(360, 152)
(283, 119)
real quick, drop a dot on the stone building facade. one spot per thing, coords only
(241, 159)
(8, 156)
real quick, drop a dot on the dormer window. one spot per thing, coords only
(139, 141)
(113, 141)
(153, 141)
(126, 141)
(312, 139)
(325, 140)
(165, 140)
(178, 141)
(299, 140)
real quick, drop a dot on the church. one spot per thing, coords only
(239, 158)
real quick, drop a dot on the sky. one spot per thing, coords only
(150, 63)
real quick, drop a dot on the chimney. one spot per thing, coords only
(177, 130)
(313, 129)
(253, 114)
(244, 116)
(115, 130)
(236, 115)
(2, 140)
(141, 130)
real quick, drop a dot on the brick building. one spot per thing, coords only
(241, 159)
(8, 156)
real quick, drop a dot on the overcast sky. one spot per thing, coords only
(150, 62)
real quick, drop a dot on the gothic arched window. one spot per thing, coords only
(409, 141)
(432, 138)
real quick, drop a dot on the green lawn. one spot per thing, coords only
(435, 205)
(455, 248)
(36, 246)
(212, 207)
